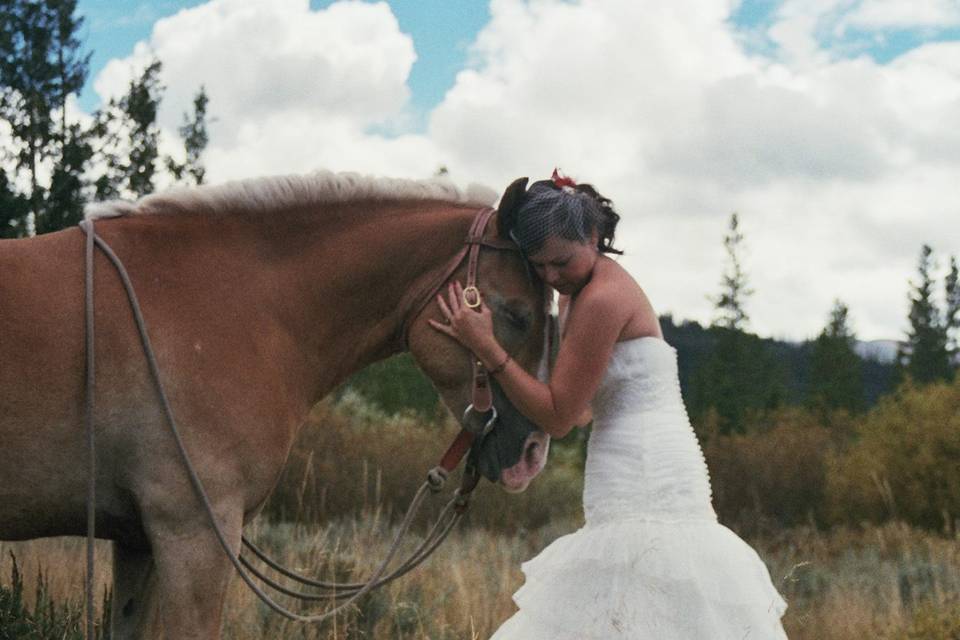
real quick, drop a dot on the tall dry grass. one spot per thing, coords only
(887, 583)
(350, 456)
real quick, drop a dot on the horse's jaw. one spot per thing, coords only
(516, 478)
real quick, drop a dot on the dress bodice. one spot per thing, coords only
(643, 458)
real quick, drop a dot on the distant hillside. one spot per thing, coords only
(396, 384)
(884, 351)
(694, 344)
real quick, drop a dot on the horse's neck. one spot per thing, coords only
(352, 267)
(322, 289)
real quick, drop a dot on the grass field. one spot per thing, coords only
(891, 582)
(887, 582)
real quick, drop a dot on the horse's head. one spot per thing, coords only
(515, 450)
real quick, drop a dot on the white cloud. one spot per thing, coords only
(840, 168)
(290, 89)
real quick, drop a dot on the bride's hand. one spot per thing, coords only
(473, 328)
(585, 418)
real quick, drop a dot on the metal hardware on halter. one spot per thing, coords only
(471, 297)
(436, 478)
(486, 427)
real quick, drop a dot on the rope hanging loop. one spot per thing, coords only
(436, 478)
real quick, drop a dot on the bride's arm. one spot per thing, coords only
(593, 325)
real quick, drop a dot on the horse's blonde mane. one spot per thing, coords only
(279, 193)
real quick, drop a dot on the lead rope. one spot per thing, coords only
(353, 590)
(91, 436)
(344, 590)
(437, 534)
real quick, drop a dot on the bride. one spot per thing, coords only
(651, 562)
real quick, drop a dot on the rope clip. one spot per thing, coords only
(436, 478)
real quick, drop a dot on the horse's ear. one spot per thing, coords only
(509, 204)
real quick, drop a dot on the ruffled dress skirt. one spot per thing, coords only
(647, 580)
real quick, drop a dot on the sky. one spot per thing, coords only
(831, 127)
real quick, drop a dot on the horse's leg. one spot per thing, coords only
(193, 575)
(134, 611)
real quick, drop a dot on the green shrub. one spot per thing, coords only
(904, 462)
(773, 477)
(395, 385)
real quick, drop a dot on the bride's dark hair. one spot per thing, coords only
(571, 211)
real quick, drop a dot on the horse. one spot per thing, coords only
(261, 296)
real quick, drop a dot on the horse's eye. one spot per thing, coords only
(517, 320)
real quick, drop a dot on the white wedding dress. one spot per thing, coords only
(652, 562)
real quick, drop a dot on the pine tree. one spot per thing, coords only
(740, 379)
(41, 65)
(195, 139)
(14, 208)
(71, 66)
(66, 198)
(140, 107)
(836, 378)
(28, 92)
(64, 206)
(106, 132)
(924, 357)
(730, 303)
(128, 137)
(952, 312)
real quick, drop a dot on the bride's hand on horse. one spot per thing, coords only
(473, 328)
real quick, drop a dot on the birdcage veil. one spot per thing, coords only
(560, 207)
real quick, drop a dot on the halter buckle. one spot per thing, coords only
(471, 297)
(487, 428)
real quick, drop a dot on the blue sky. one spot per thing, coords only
(882, 45)
(441, 30)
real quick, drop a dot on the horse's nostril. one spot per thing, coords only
(531, 451)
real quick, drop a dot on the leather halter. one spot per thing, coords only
(470, 250)
(482, 395)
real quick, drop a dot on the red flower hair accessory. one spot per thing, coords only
(564, 182)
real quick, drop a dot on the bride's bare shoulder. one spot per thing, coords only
(609, 275)
(618, 286)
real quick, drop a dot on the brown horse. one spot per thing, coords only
(260, 296)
